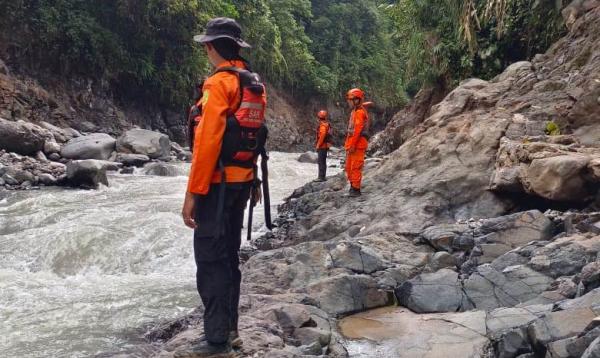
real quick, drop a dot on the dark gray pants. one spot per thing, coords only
(218, 275)
(322, 162)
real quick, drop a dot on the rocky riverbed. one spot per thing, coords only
(479, 232)
(481, 227)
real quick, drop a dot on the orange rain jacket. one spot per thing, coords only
(322, 132)
(359, 121)
(221, 97)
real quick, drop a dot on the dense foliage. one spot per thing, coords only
(445, 41)
(314, 49)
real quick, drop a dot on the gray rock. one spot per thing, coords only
(356, 258)
(560, 260)
(593, 351)
(21, 137)
(560, 178)
(509, 259)
(9, 179)
(516, 229)
(86, 174)
(558, 349)
(54, 157)
(442, 260)
(162, 169)
(345, 294)
(110, 165)
(565, 286)
(512, 343)
(505, 319)
(15, 176)
(146, 142)
(559, 325)
(507, 180)
(590, 274)
(488, 288)
(308, 335)
(441, 237)
(132, 160)
(185, 156)
(308, 157)
(51, 147)
(47, 179)
(93, 146)
(58, 134)
(177, 148)
(312, 349)
(127, 170)
(573, 346)
(589, 300)
(435, 292)
(26, 184)
(41, 156)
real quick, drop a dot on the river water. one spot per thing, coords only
(82, 271)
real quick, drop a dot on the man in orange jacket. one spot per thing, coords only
(356, 139)
(323, 144)
(217, 237)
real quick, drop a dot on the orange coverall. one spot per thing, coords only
(356, 146)
(221, 96)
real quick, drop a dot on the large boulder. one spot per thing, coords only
(141, 141)
(93, 146)
(560, 178)
(21, 137)
(435, 292)
(502, 234)
(308, 157)
(488, 288)
(345, 294)
(14, 176)
(132, 160)
(559, 325)
(162, 170)
(87, 174)
(593, 350)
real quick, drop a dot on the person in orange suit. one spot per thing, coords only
(217, 219)
(323, 143)
(356, 139)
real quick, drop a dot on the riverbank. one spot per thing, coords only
(482, 220)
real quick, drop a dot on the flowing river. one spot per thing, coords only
(81, 272)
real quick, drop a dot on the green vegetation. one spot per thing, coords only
(445, 41)
(318, 48)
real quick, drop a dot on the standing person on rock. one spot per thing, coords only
(229, 134)
(356, 139)
(323, 143)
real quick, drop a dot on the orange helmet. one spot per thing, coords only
(355, 93)
(322, 114)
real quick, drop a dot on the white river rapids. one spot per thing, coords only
(82, 271)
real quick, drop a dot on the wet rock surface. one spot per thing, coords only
(453, 225)
(94, 146)
(141, 141)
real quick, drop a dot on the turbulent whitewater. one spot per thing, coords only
(82, 272)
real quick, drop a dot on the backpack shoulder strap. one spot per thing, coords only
(239, 72)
